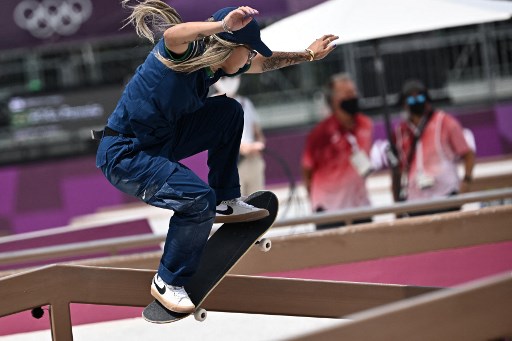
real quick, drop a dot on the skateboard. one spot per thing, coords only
(223, 250)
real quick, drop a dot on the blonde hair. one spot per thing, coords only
(154, 16)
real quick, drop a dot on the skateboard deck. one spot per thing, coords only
(223, 250)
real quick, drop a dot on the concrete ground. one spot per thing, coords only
(218, 326)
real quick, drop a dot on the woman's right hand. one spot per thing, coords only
(322, 47)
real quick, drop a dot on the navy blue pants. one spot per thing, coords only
(217, 127)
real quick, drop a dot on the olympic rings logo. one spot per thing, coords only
(48, 17)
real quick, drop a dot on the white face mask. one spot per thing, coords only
(228, 85)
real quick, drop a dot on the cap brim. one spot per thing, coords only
(262, 49)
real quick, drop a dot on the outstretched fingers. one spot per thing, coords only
(322, 46)
(328, 38)
(248, 11)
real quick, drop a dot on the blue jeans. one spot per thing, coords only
(217, 127)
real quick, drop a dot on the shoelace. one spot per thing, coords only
(178, 291)
(239, 202)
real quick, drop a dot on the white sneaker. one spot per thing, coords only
(236, 210)
(173, 298)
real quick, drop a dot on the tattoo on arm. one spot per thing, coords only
(282, 59)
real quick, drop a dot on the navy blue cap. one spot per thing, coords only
(248, 35)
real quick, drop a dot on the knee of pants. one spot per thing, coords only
(205, 204)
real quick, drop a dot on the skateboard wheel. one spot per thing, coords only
(200, 314)
(264, 244)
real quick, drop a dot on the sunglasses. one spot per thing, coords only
(252, 54)
(418, 99)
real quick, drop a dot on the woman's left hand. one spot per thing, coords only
(322, 47)
(240, 17)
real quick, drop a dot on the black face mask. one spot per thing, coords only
(350, 105)
(417, 109)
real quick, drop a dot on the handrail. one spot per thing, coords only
(347, 215)
(478, 310)
(352, 214)
(418, 234)
(54, 231)
(363, 242)
(60, 285)
(114, 245)
(109, 245)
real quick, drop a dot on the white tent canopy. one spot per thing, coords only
(358, 20)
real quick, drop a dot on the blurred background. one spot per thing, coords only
(64, 64)
(62, 71)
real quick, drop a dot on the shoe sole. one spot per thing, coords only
(240, 218)
(174, 308)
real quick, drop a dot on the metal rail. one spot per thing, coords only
(475, 311)
(115, 245)
(487, 187)
(398, 208)
(60, 285)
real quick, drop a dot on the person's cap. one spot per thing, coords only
(248, 35)
(413, 86)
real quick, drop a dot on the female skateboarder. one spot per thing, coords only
(164, 116)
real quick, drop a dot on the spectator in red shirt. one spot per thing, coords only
(335, 161)
(430, 143)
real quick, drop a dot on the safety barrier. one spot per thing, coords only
(379, 240)
(59, 285)
(474, 311)
(115, 245)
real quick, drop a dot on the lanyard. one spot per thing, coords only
(417, 132)
(353, 142)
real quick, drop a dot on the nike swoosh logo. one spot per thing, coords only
(227, 211)
(160, 290)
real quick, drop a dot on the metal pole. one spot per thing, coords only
(60, 319)
(392, 153)
(350, 65)
(486, 50)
